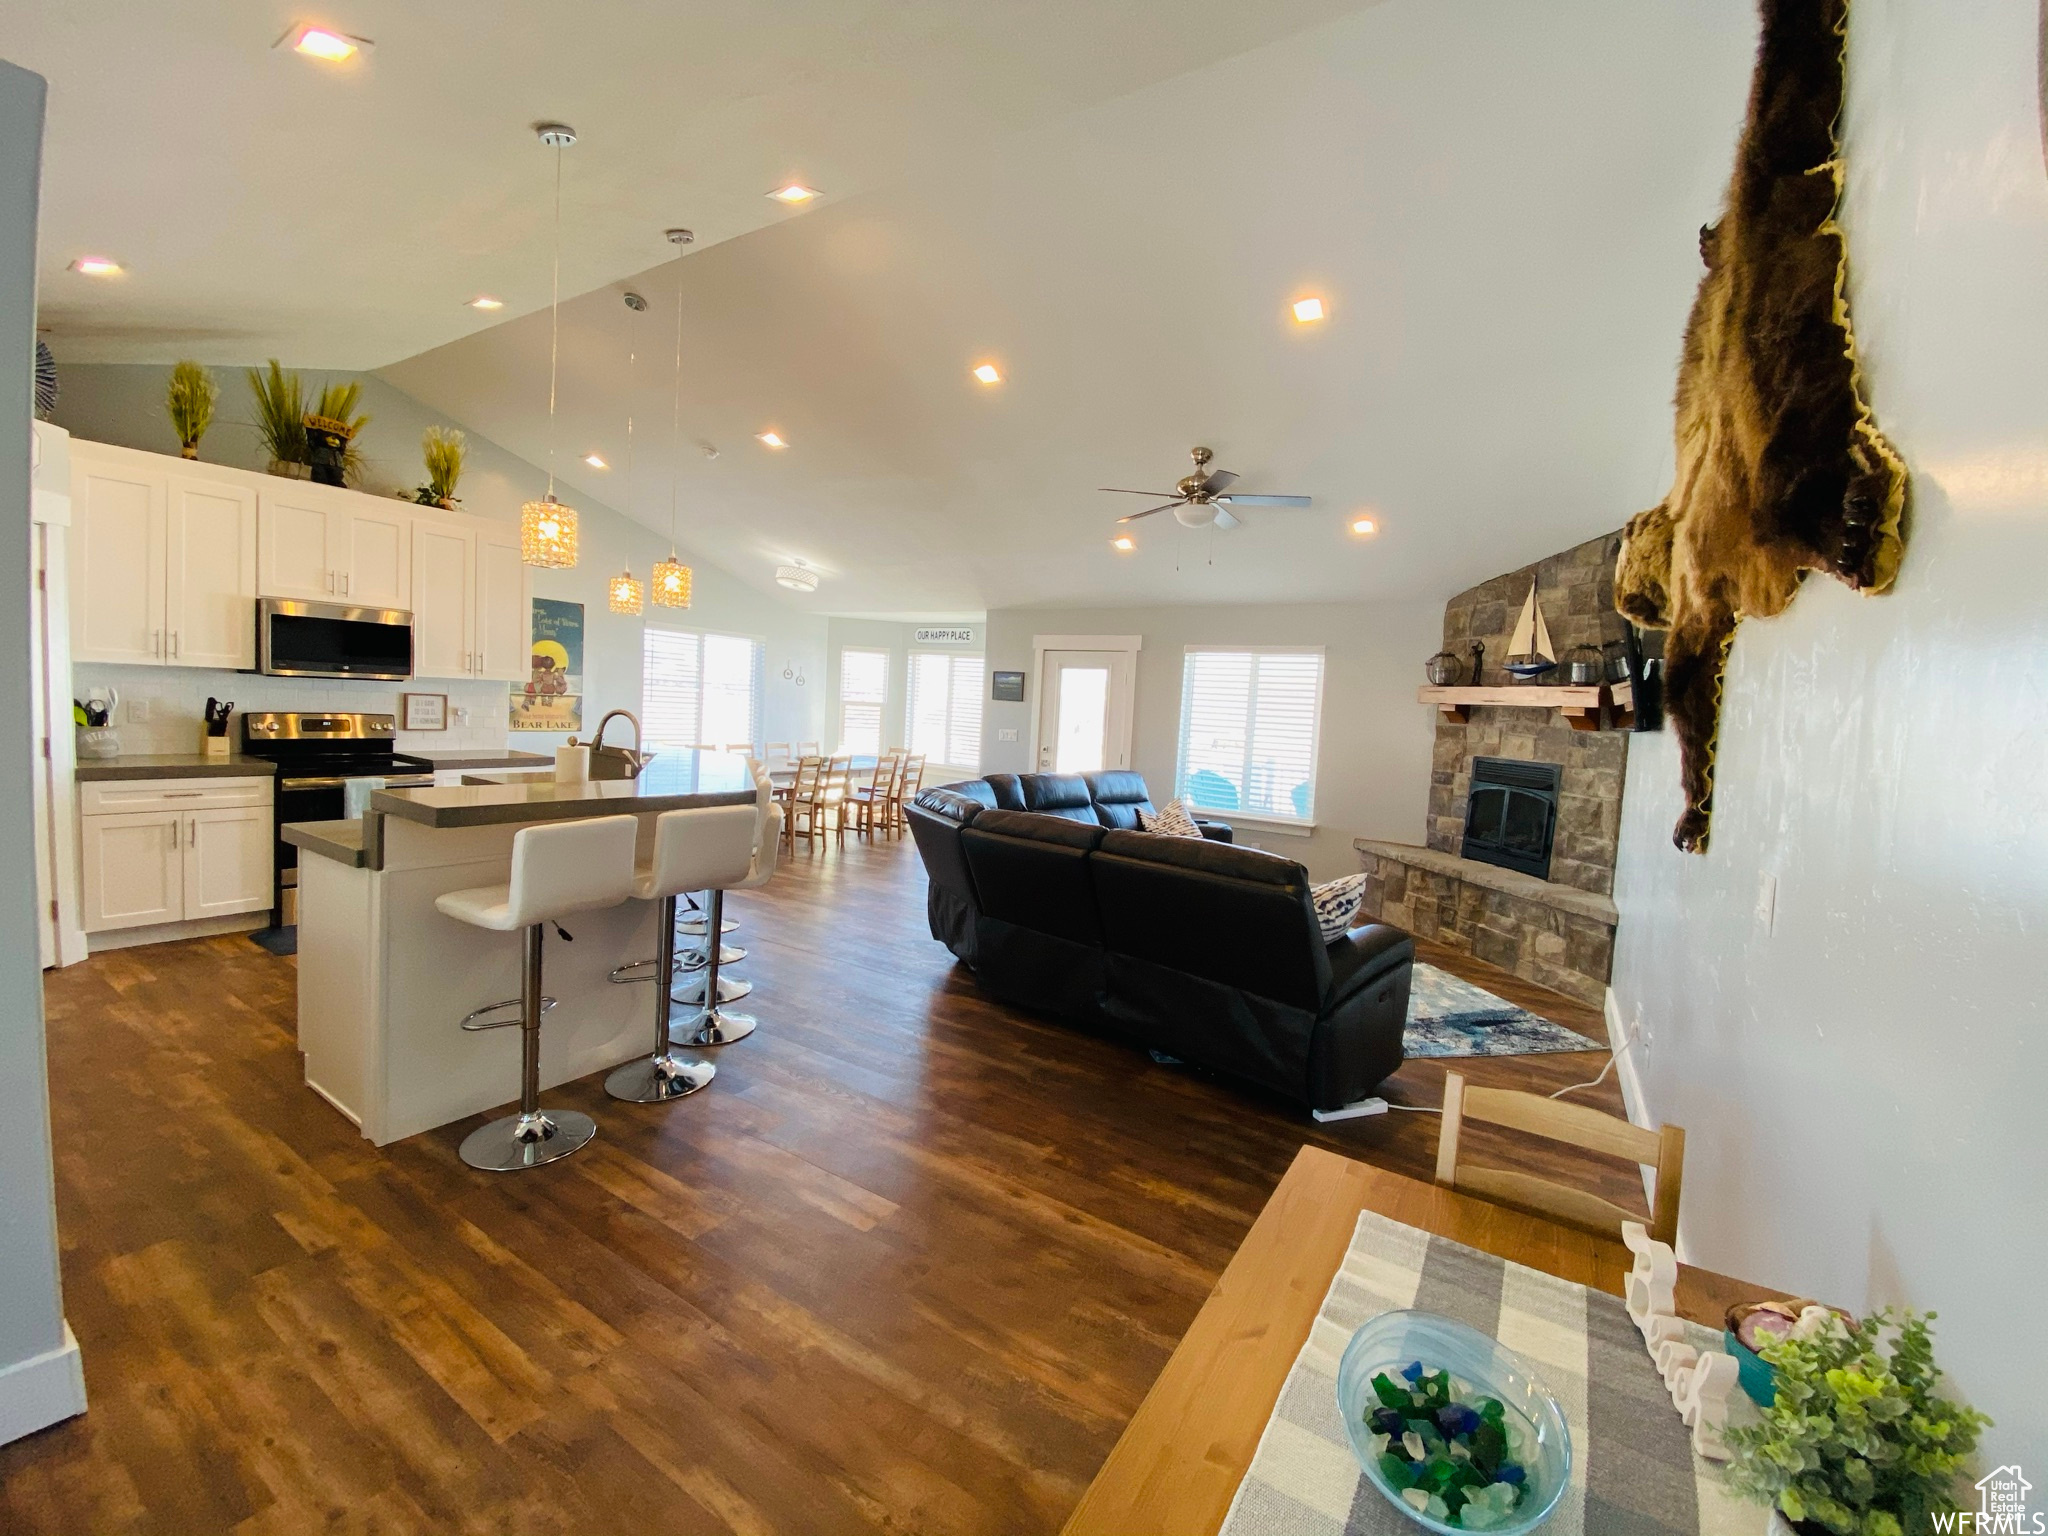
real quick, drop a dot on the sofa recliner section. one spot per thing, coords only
(1195, 948)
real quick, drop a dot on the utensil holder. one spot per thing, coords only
(98, 741)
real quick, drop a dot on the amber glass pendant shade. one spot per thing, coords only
(671, 583)
(547, 534)
(624, 594)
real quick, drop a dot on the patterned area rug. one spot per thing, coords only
(1448, 1016)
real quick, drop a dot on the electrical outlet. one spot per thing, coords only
(458, 714)
(1008, 733)
(138, 711)
(1767, 903)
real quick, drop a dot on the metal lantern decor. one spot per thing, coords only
(624, 594)
(547, 529)
(547, 534)
(1443, 670)
(672, 582)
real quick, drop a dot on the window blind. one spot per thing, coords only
(698, 689)
(1249, 721)
(945, 708)
(863, 688)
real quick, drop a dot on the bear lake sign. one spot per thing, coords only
(943, 637)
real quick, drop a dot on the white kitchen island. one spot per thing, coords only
(385, 979)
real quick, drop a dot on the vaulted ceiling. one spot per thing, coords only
(1497, 201)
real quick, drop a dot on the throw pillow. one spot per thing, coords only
(1336, 903)
(1170, 820)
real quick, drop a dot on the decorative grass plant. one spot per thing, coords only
(1857, 1442)
(280, 400)
(443, 448)
(189, 402)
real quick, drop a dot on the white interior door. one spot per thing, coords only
(1084, 711)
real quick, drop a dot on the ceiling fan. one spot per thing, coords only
(1201, 500)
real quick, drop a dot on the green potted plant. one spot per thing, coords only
(281, 419)
(1856, 1442)
(443, 448)
(189, 402)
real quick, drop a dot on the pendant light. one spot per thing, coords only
(624, 595)
(547, 528)
(672, 578)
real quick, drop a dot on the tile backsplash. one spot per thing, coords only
(175, 700)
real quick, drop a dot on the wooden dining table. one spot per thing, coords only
(1182, 1456)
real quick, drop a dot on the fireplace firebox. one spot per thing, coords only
(1511, 814)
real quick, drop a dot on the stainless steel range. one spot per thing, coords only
(327, 765)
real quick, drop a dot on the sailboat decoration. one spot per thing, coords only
(1529, 653)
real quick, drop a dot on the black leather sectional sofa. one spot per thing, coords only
(1044, 886)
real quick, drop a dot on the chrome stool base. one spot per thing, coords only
(527, 1140)
(657, 1079)
(730, 989)
(697, 959)
(469, 1019)
(693, 927)
(716, 1027)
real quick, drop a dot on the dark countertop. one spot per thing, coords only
(172, 765)
(673, 781)
(341, 841)
(455, 757)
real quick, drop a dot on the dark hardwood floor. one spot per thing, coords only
(908, 1265)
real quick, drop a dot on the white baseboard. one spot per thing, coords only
(42, 1390)
(171, 933)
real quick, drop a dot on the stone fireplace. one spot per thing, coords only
(1551, 920)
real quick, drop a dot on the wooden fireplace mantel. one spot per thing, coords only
(1581, 707)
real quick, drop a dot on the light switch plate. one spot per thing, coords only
(1008, 733)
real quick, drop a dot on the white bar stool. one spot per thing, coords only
(691, 849)
(713, 1025)
(557, 870)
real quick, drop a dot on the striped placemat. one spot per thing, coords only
(1634, 1472)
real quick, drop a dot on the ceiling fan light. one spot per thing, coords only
(547, 535)
(672, 582)
(798, 577)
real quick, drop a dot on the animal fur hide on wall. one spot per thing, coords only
(1780, 467)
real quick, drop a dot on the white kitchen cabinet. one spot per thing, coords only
(444, 599)
(134, 869)
(325, 544)
(160, 851)
(162, 561)
(504, 626)
(228, 856)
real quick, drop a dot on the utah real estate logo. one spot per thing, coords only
(2002, 1508)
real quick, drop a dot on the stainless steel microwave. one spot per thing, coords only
(301, 639)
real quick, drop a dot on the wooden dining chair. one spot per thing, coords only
(870, 801)
(776, 754)
(1662, 1149)
(801, 798)
(809, 749)
(908, 781)
(833, 786)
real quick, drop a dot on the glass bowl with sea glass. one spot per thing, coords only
(1533, 1452)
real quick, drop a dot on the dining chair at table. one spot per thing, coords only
(810, 749)
(870, 801)
(800, 796)
(833, 787)
(909, 779)
(1662, 1149)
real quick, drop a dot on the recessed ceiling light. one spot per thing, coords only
(595, 462)
(794, 193)
(1123, 542)
(97, 266)
(1308, 311)
(323, 43)
(772, 439)
(988, 373)
(485, 301)
(1365, 527)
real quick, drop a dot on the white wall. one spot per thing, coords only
(1863, 1083)
(123, 403)
(39, 1374)
(1372, 769)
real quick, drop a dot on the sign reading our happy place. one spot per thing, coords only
(943, 636)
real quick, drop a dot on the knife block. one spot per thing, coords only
(213, 748)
